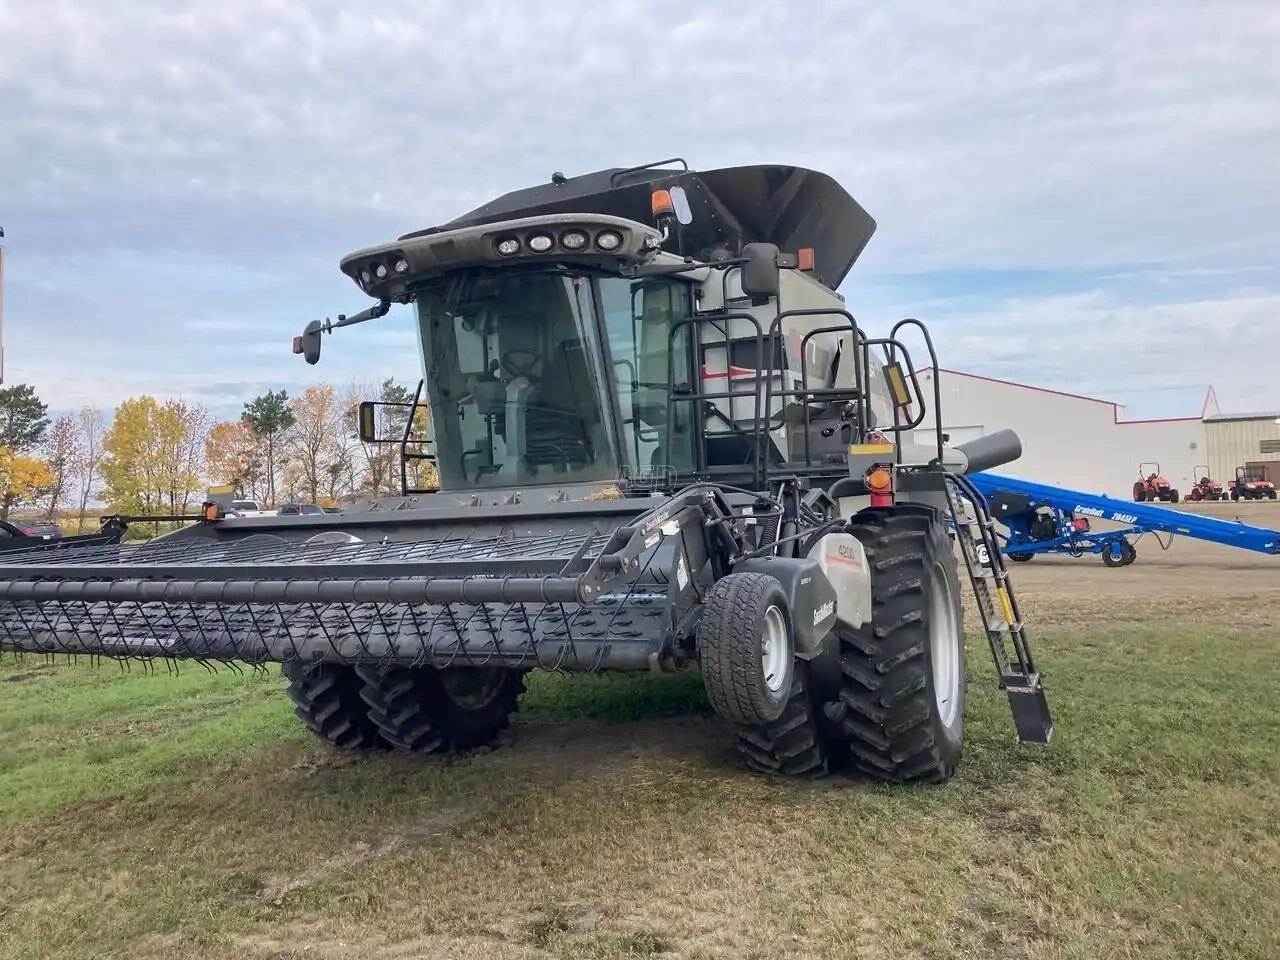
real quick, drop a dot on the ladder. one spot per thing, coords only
(1001, 617)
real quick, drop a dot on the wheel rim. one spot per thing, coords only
(472, 688)
(775, 651)
(944, 648)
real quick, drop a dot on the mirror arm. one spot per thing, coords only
(786, 261)
(670, 269)
(379, 309)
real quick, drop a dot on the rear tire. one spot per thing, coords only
(1139, 492)
(326, 698)
(746, 650)
(902, 703)
(425, 710)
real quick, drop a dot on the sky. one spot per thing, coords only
(1081, 196)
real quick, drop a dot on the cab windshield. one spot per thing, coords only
(515, 382)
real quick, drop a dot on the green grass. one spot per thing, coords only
(190, 815)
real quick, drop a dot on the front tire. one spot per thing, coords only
(902, 703)
(429, 710)
(326, 698)
(792, 745)
(745, 648)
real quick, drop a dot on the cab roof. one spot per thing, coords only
(789, 206)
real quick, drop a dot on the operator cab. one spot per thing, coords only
(594, 330)
(523, 367)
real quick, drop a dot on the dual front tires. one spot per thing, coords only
(886, 699)
(420, 709)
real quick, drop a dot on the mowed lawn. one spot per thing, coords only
(156, 815)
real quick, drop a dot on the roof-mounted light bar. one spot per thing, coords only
(386, 272)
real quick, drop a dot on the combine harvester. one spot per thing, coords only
(1045, 519)
(662, 440)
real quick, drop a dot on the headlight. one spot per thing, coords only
(402, 265)
(380, 271)
(573, 239)
(540, 243)
(609, 240)
(366, 277)
(508, 247)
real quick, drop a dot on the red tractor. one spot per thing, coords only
(1204, 488)
(1251, 483)
(1151, 487)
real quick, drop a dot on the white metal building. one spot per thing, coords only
(1244, 440)
(1083, 443)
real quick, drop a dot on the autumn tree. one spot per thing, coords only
(62, 456)
(89, 460)
(23, 480)
(313, 442)
(233, 454)
(148, 467)
(270, 418)
(24, 418)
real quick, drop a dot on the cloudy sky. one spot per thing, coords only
(1084, 196)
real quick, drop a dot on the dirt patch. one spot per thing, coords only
(316, 941)
(361, 854)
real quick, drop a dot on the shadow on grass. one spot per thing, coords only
(615, 697)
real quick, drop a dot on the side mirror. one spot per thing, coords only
(761, 276)
(309, 343)
(394, 423)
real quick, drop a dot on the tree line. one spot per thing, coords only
(155, 457)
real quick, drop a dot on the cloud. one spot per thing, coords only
(178, 184)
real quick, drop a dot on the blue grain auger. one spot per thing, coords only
(1041, 518)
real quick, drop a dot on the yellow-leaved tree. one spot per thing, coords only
(318, 452)
(23, 480)
(234, 454)
(153, 456)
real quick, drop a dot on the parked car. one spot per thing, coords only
(26, 532)
(44, 529)
(299, 509)
(248, 508)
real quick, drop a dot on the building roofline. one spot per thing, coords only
(1241, 417)
(1115, 407)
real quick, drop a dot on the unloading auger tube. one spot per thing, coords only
(661, 439)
